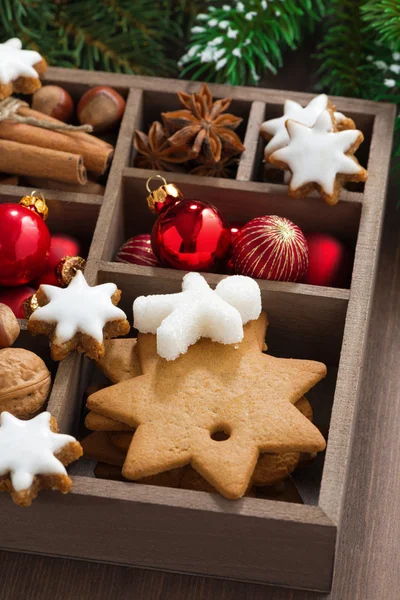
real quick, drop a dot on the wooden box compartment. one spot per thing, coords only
(252, 539)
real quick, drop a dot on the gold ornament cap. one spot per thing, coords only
(36, 204)
(67, 269)
(30, 305)
(163, 196)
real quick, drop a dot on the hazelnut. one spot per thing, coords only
(102, 107)
(24, 382)
(54, 101)
(9, 327)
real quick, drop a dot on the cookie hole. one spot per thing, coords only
(220, 434)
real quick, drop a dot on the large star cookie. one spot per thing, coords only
(78, 317)
(320, 158)
(33, 455)
(275, 129)
(179, 407)
(19, 69)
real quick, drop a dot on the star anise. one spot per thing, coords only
(156, 153)
(224, 168)
(202, 127)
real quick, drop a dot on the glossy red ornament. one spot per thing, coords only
(24, 244)
(138, 251)
(14, 298)
(61, 245)
(270, 247)
(330, 261)
(191, 235)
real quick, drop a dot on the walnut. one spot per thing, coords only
(24, 382)
(9, 327)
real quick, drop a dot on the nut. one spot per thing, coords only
(102, 107)
(54, 101)
(25, 382)
(9, 327)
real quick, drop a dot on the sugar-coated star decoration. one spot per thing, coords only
(27, 449)
(78, 308)
(307, 115)
(15, 62)
(318, 155)
(180, 320)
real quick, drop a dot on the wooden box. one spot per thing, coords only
(251, 539)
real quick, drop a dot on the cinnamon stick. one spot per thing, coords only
(25, 111)
(91, 187)
(96, 158)
(23, 159)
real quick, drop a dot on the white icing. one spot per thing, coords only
(180, 320)
(276, 128)
(317, 154)
(27, 449)
(15, 62)
(78, 308)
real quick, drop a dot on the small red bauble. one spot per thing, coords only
(191, 235)
(329, 261)
(270, 247)
(14, 298)
(138, 251)
(24, 244)
(60, 246)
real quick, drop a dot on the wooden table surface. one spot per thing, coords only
(368, 552)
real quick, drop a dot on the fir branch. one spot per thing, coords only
(383, 17)
(345, 70)
(235, 43)
(114, 35)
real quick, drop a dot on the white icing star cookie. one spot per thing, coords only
(276, 129)
(19, 69)
(27, 450)
(78, 316)
(180, 320)
(320, 158)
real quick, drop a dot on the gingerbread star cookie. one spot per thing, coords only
(33, 457)
(275, 130)
(78, 317)
(320, 158)
(179, 407)
(19, 69)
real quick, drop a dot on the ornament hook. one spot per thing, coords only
(37, 194)
(148, 188)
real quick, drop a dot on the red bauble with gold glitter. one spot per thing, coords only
(61, 246)
(270, 247)
(138, 251)
(24, 241)
(188, 234)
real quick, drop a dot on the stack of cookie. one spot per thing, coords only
(195, 403)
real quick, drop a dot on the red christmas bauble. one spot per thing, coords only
(60, 246)
(191, 235)
(138, 251)
(329, 261)
(270, 247)
(24, 244)
(14, 298)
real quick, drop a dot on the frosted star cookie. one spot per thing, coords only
(78, 317)
(19, 69)
(320, 158)
(33, 456)
(275, 130)
(180, 320)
